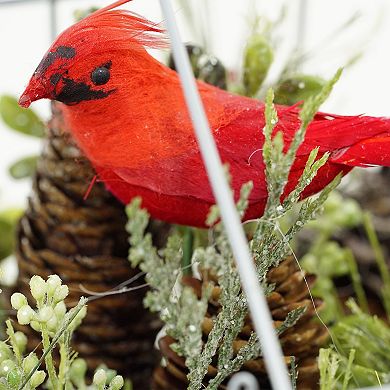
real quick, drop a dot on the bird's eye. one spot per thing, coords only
(100, 75)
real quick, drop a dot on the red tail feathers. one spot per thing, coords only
(371, 146)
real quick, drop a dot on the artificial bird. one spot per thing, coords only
(127, 112)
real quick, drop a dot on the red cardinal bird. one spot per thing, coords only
(127, 112)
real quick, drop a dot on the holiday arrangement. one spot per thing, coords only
(98, 282)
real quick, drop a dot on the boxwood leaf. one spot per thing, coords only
(23, 168)
(23, 120)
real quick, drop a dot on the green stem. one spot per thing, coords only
(317, 246)
(64, 362)
(380, 260)
(49, 358)
(198, 372)
(70, 316)
(15, 348)
(357, 281)
(332, 299)
(330, 294)
(188, 248)
(348, 372)
(293, 373)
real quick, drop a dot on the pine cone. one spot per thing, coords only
(84, 241)
(303, 340)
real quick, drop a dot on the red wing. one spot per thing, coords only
(185, 174)
(239, 137)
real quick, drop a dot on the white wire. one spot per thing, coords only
(243, 381)
(261, 316)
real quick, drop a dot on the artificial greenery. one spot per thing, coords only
(26, 122)
(361, 355)
(206, 67)
(297, 87)
(56, 325)
(19, 119)
(380, 260)
(358, 354)
(327, 259)
(8, 220)
(258, 58)
(24, 167)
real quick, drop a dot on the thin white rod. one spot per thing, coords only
(261, 316)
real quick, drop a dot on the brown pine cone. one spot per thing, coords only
(303, 340)
(84, 241)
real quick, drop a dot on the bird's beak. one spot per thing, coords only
(35, 90)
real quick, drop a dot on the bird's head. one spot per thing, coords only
(87, 61)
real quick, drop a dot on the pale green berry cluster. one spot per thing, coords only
(107, 379)
(51, 318)
(103, 379)
(50, 306)
(11, 372)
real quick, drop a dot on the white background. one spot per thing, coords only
(364, 88)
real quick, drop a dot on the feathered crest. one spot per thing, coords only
(119, 26)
